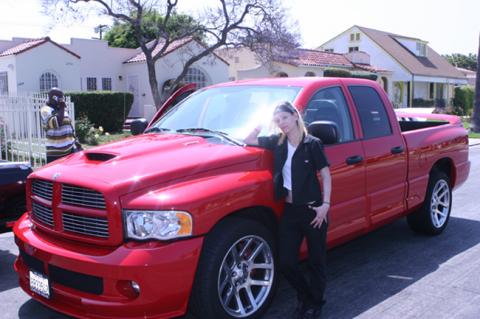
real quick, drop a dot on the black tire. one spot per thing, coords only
(205, 300)
(426, 220)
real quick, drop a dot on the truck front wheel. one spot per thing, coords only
(236, 276)
(433, 216)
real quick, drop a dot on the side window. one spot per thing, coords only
(330, 105)
(370, 108)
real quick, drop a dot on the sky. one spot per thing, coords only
(448, 26)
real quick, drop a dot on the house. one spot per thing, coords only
(244, 64)
(30, 66)
(470, 75)
(418, 73)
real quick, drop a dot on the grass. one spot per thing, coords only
(112, 137)
(466, 124)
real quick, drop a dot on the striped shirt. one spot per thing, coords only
(60, 136)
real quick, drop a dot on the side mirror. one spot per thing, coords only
(327, 131)
(138, 126)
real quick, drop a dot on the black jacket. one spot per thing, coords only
(309, 157)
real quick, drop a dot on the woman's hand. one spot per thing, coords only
(321, 216)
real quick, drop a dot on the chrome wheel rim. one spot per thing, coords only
(245, 277)
(440, 203)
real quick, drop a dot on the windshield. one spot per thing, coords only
(234, 110)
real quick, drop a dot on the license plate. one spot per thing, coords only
(39, 284)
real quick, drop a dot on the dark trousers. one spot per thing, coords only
(294, 226)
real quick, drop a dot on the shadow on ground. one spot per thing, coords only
(370, 269)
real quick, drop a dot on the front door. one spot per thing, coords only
(385, 156)
(348, 201)
(132, 84)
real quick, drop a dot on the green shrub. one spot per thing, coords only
(464, 96)
(336, 73)
(422, 103)
(86, 132)
(339, 73)
(106, 109)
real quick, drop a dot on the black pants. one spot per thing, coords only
(294, 226)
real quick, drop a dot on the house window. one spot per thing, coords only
(196, 76)
(48, 80)
(421, 49)
(352, 36)
(91, 84)
(432, 90)
(3, 83)
(352, 49)
(107, 84)
(328, 50)
(357, 36)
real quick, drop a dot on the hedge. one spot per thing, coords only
(339, 73)
(464, 96)
(106, 109)
(422, 103)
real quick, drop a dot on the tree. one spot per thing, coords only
(260, 25)
(122, 34)
(459, 60)
(476, 108)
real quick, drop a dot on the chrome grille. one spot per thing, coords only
(80, 196)
(42, 189)
(91, 226)
(42, 214)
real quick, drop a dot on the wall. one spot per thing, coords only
(47, 57)
(421, 90)
(8, 64)
(170, 67)
(101, 61)
(245, 57)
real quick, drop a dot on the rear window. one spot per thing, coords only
(371, 110)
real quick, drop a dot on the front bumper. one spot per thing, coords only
(164, 272)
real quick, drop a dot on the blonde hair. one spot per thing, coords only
(290, 108)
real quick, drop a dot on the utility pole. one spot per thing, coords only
(100, 28)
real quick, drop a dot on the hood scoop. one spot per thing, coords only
(100, 157)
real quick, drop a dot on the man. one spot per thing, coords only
(58, 127)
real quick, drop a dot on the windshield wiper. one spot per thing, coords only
(206, 130)
(155, 129)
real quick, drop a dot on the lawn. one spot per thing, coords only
(466, 124)
(104, 139)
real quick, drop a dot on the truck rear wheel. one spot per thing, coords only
(433, 216)
(236, 275)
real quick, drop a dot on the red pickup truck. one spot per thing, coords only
(183, 217)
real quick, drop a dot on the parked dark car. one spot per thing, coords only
(13, 176)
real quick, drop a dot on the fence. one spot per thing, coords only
(22, 137)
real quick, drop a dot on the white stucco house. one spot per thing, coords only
(417, 71)
(30, 66)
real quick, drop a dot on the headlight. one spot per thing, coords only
(157, 224)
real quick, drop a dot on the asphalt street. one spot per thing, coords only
(389, 273)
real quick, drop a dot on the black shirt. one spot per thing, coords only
(309, 157)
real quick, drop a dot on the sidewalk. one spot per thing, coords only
(473, 141)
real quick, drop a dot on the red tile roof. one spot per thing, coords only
(171, 47)
(30, 44)
(319, 58)
(140, 57)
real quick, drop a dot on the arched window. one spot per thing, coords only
(310, 73)
(281, 74)
(195, 75)
(48, 80)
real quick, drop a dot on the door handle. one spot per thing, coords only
(354, 159)
(397, 150)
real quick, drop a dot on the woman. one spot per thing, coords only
(298, 158)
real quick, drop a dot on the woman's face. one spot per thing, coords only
(286, 121)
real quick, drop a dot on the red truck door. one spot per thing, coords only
(385, 154)
(348, 201)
